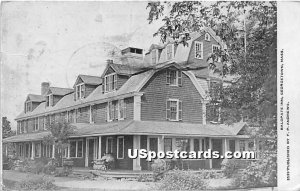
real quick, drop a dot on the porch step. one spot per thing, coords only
(120, 174)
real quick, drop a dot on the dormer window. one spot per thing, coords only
(80, 91)
(154, 56)
(170, 51)
(110, 82)
(174, 77)
(198, 50)
(49, 100)
(207, 37)
(28, 106)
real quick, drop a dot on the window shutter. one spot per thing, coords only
(115, 82)
(83, 90)
(179, 110)
(124, 109)
(106, 112)
(168, 111)
(168, 77)
(179, 73)
(117, 110)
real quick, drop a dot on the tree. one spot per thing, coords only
(249, 33)
(59, 134)
(6, 129)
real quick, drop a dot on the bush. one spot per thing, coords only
(145, 178)
(259, 173)
(181, 180)
(40, 183)
(231, 166)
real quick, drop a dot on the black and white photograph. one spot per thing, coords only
(149, 95)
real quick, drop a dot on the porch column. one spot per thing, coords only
(192, 144)
(225, 145)
(210, 147)
(136, 145)
(86, 162)
(137, 100)
(99, 147)
(6, 145)
(32, 150)
(53, 151)
(160, 143)
(237, 144)
(174, 144)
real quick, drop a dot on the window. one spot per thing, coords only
(37, 152)
(26, 126)
(207, 37)
(154, 56)
(28, 106)
(110, 82)
(198, 50)
(242, 145)
(215, 50)
(76, 147)
(174, 77)
(182, 144)
(80, 91)
(170, 52)
(174, 110)
(47, 150)
(49, 100)
(36, 124)
(109, 145)
(121, 109)
(196, 145)
(65, 153)
(167, 144)
(120, 147)
(112, 111)
(93, 113)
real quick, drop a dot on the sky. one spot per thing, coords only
(56, 41)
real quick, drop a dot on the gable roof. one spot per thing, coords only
(60, 91)
(87, 79)
(122, 69)
(35, 98)
(132, 85)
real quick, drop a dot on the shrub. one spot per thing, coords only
(39, 183)
(232, 166)
(159, 168)
(181, 180)
(145, 178)
(259, 173)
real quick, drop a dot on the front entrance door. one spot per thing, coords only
(152, 146)
(91, 151)
(217, 146)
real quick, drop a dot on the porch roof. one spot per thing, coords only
(131, 127)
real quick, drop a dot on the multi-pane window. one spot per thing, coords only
(26, 126)
(174, 110)
(215, 50)
(120, 147)
(154, 56)
(182, 144)
(93, 113)
(242, 145)
(109, 145)
(121, 109)
(76, 148)
(47, 150)
(174, 77)
(170, 52)
(199, 50)
(36, 124)
(110, 82)
(28, 106)
(167, 144)
(80, 91)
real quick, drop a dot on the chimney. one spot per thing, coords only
(133, 52)
(109, 61)
(45, 87)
